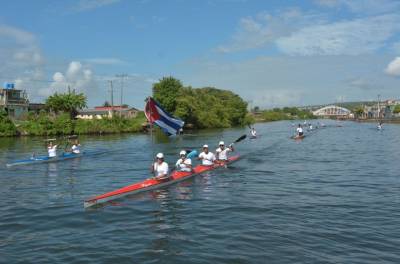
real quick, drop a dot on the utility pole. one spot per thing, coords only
(122, 76)
(112, 97)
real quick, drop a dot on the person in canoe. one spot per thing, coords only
(299, 131)
(253, 133)
(183, 163)
(380, 126)
(76, 147)
(207, 158)
(52, 150)
(160, 167)
(222, 152)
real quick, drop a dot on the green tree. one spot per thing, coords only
(358, 111)
(69, 103)
(166, 92)
(396, 109)
(7, 127)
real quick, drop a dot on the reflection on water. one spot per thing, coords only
(330, 198)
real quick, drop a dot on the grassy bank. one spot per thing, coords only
(45, 124)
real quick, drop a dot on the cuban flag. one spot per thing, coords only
(156, 114)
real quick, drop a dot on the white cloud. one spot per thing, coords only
(74, 70)
(20, 36)
(76, 77)
(360, 36)
(295, 32)
(265, 28)
(21, 59)
(85, 5)
(394, 67)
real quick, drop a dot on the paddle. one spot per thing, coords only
(240, 138)
(192, 154)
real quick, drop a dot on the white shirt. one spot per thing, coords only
(207, 159)
(253, 133)
(184, 165)
(299, 130)
(52, 151)
(75, 149)
(160, 169)
(223, 154)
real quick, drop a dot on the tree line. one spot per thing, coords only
(206, 107)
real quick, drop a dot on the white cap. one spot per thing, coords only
(205, 146)
(221, 143)
(160, 155)
(182, 152)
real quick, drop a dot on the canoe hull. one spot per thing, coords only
(298, 137)
(45, 159)
(152, 184)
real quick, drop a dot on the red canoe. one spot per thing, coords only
(151, 184)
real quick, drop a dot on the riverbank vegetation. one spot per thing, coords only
(206, 107)
(59, 119)
(44, 124)
(286, 113)
(7, 127)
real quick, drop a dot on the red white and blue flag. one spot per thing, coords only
(156, 114)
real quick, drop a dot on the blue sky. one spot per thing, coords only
(272, 53)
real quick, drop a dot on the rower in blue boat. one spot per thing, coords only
(253, 133)
(299, 131)
(52, 150)
(76, 147)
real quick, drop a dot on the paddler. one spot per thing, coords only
(299, 131)
(76, 147)
(253, 132)
(183, 163)
(160, 167)
(380, 126)
(207, 158)
(222, 152)
(52, 150)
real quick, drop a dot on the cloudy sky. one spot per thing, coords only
(272, 53)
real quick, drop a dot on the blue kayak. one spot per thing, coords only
(47, 159)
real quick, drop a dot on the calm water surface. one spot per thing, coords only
(332, 198)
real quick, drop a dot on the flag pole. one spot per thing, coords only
(151, 127)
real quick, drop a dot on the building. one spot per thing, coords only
(14, 102)
(36, 107)
(100, 112)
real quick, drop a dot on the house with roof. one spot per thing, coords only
(100, 112)
(15, 102)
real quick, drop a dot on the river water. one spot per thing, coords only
(333, 197)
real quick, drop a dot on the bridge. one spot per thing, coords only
(332, 111)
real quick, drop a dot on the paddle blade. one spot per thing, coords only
(240, 139)
(192, 154)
